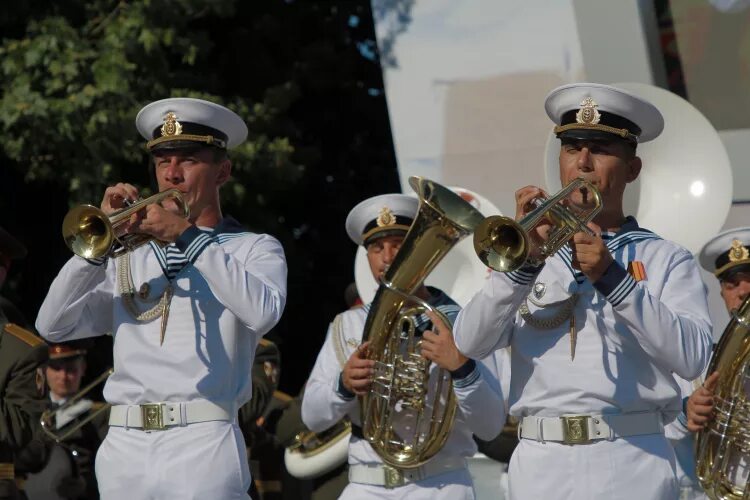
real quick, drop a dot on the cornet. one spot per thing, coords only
(504, 244)
(91, 234)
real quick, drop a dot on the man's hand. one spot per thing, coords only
(700, 405)
(116, 198)
(160, 223)
(358, 371)
(590, 255)
(438, 345)
(538, 235)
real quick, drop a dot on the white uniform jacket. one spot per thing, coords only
(229, 290)
(478, 392)
(631, 335)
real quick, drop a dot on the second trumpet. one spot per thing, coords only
(91, 234)
(504, 245)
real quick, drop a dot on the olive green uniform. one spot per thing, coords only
(22, 393)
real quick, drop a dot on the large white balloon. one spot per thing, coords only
(684, 191)
(460, 274)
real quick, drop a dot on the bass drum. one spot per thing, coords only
(684, 190)
(460, 274)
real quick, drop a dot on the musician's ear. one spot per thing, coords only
(634, 168)
(223, 172)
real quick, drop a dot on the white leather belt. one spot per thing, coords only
(581, 429)
(160, 416)
(391, 477)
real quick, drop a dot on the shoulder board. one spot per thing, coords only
(24, 335)
(266, 343)
(282, 396)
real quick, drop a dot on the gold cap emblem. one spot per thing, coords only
(738, 251)
(171, 125)
(385, 217)
(588, 113)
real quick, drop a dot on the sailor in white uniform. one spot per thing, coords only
(342, 371)
(727, 256)
(186, 318)
(598, 329)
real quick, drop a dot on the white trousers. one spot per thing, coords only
(198, 461)
(641, 467)
(454, 485)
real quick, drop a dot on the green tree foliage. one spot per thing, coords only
(305, 76)
(72, 85)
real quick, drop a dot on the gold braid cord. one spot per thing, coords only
(127, 291)
(622, 132)
(552, 322)
(337, 337)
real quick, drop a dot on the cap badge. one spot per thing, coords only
(171, 125)
(738, 251)
(539, 289)
(588, 113)
(385, 217)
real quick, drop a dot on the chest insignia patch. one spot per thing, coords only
(637, 270)
(538, 290)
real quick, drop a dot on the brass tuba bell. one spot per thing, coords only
(504, 244)
(90, 233)
(723, 447)
(398, 421)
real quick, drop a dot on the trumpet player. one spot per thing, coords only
(186, 318)
(342, 371)
(597, 329)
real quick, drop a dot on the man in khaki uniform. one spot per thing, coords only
(21, 382)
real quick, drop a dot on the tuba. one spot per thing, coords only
(313, 454)
(503, 244)
(402, 376)
(90, 233)
(724, 445)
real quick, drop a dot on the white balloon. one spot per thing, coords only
(684, 191)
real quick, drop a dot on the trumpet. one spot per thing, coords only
(90, 233)
(503, 244)
(62, 422)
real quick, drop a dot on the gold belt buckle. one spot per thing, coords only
(393, 477)
(575, 430)
(7, 470)
(152, 417)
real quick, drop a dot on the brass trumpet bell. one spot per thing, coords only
(87, 231)
(90, 233)
(503, 244)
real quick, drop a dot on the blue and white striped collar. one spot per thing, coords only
(629, 232)
(228, 225)
(172, 260)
